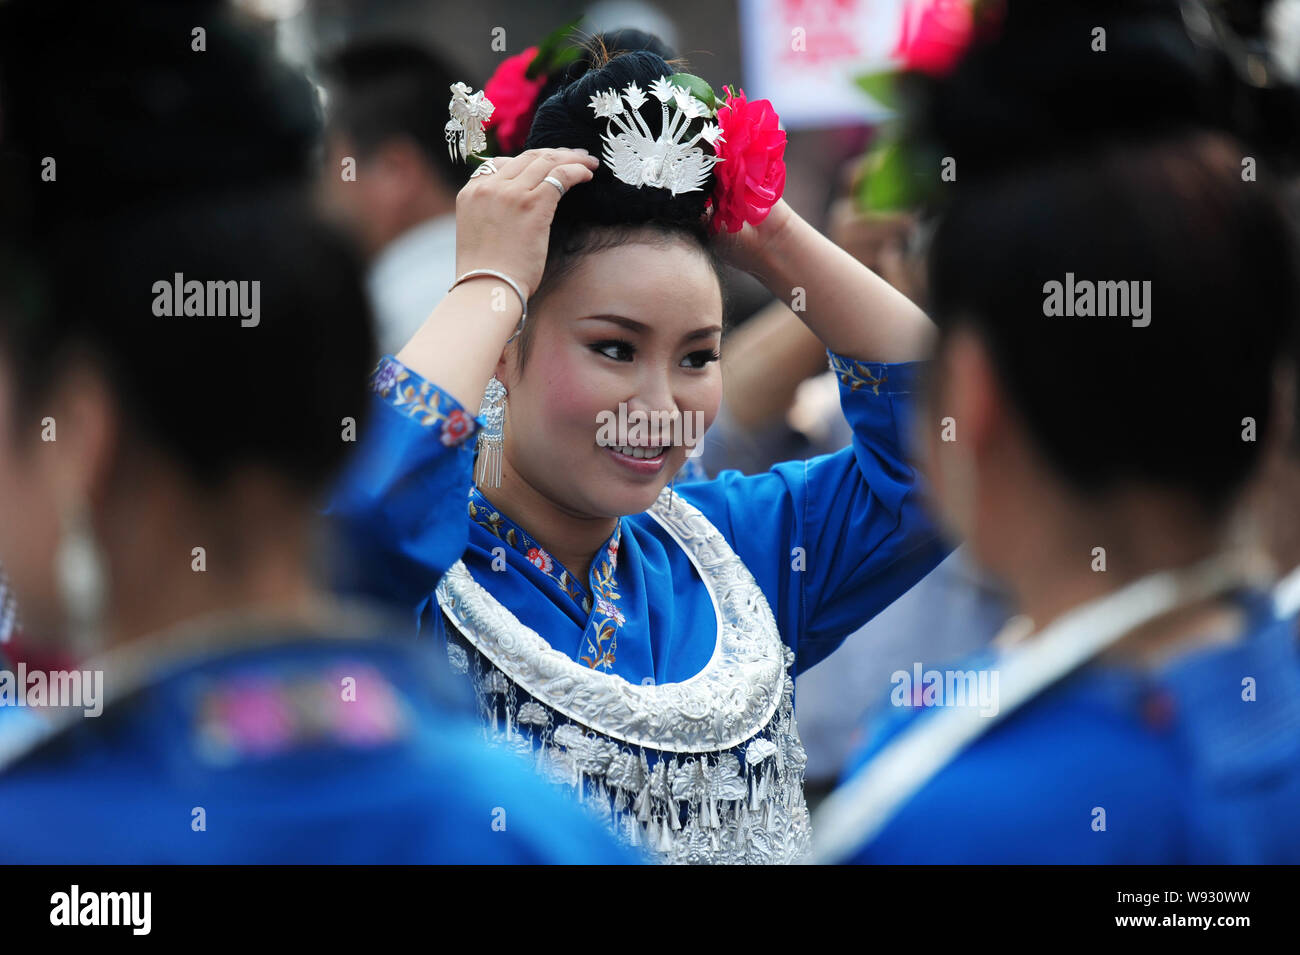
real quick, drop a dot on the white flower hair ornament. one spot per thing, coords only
(639, 158)
(464, 131)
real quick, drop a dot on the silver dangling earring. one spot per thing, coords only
(491, 437)
(79, 572)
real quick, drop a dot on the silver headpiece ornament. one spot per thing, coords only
(464, 131)
(639, 158)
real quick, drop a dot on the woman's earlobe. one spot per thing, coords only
(88, 432)
(503, 363)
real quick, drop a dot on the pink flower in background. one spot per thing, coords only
(751, 177)
(934, 39)
(515, 99)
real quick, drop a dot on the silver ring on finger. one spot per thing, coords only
(556, 183)
(486, 168)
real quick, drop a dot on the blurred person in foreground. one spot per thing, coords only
(158, 481)
(1145, 708)
(1284, 530)
(781, 401)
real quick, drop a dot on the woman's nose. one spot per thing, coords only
(658, 407)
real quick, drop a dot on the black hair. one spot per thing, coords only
(1145, 183)
(382, 89)
(600, 48)
(215, 393)
(606, 212)
(175, 161)
(127, 108)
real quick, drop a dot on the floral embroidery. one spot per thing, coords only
(422, 401)
(858, 374)
(601, 637)
(385, 377)
(601, 656)
(482, 513)
(604, 625)
(609, 610)
(257, 715)
(457, 427)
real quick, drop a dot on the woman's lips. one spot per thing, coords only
(635, 459)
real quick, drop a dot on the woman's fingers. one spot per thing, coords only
(511, 167)
(569, 174)
(545, 165)
(503, 223)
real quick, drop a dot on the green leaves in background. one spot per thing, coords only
(555, 52)
(880, 87)
(889, 180)
(897, 174)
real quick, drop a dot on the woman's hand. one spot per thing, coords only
(853, 311)
(750, 249)
(503, 222)
(503, 219)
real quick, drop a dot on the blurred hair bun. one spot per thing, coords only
(133, 112)
(1036, 87)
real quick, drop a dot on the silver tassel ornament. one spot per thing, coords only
(491, 436)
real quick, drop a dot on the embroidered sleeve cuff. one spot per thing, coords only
(878, 377)
(422, 401)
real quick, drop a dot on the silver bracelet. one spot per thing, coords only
(509, 281)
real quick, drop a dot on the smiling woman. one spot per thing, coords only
(636, 325)
(640, 645)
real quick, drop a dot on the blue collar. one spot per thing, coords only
(601, 586)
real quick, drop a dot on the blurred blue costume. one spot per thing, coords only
(660, 687)
(1190, 764)
(283, 746)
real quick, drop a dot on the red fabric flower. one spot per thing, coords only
(943, 31)
(751, 176)
(457, 427)
(514, 97)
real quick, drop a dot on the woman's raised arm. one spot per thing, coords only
(399, 507)
(502, 223)
(853, 311)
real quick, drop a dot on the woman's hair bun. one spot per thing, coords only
(600, 48)
(567, 120)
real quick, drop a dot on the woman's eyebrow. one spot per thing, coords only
(629, 323)
(706, 331)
